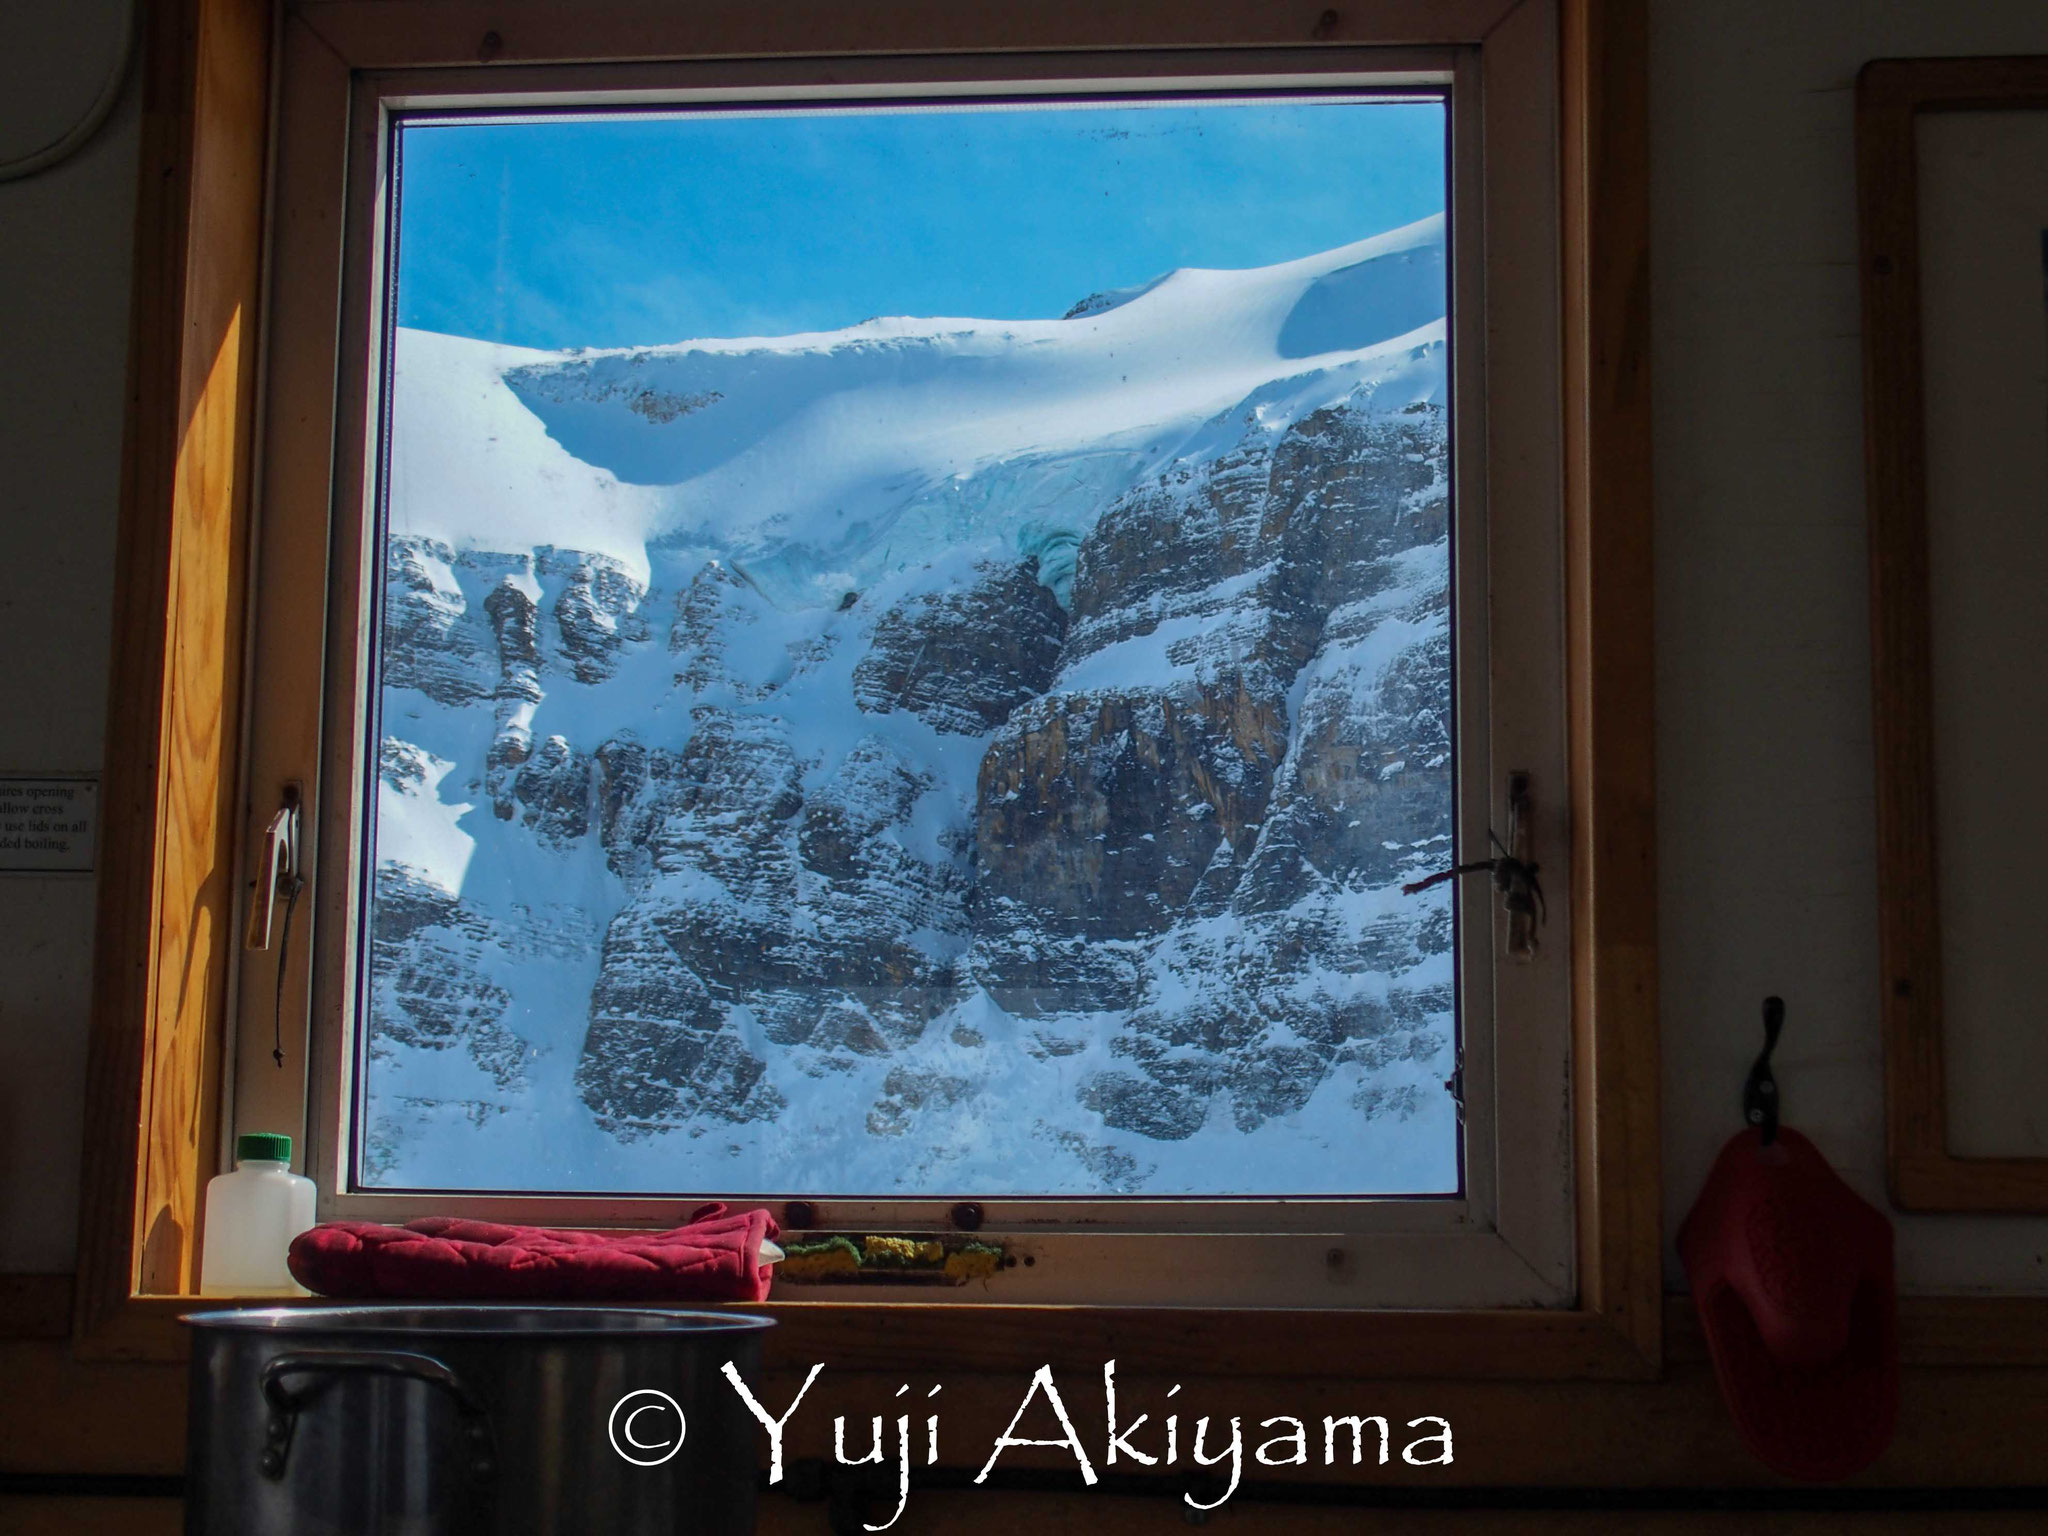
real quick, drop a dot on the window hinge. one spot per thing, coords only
(1454, 1085)
(277, 867)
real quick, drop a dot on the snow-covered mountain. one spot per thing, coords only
(935, 757)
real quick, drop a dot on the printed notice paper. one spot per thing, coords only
(48, 826)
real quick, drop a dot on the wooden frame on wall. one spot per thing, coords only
(160, 1013)
(166, 887)
(1892, 97)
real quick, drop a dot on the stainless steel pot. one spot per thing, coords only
(470, 1421)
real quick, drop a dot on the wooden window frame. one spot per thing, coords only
(1506, 1238)
(167, 892)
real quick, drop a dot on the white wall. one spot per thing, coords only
(1765, 799)
(66, 239)
(1763, 722)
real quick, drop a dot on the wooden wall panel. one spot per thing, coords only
(167, 883)
(1610, 646)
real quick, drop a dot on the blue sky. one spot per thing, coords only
(629, 231)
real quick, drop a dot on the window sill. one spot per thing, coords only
(916, 1334)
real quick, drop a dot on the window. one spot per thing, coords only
(913, 756)
(677, 724)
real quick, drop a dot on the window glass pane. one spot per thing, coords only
(914, 654)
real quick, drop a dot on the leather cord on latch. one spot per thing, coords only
(1760, 1093)
(1513, 870)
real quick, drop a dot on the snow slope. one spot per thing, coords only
(817, 455)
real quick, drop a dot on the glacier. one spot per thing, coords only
(939, 757)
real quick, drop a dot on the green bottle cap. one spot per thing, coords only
(263, 1144)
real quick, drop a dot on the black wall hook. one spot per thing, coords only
(1760, 1093)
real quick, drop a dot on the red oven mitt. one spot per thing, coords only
(1792, 1274)
(717, 1257)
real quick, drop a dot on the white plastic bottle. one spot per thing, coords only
(252, 1215)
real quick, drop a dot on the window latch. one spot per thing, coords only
(1514, 872)
(277, 868)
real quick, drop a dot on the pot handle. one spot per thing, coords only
(285, 1403)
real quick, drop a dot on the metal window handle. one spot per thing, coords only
(285, 1404)
(277, 867)
(1514, 871)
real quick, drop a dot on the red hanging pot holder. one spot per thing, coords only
(1791, 1272)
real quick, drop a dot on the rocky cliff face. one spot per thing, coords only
(1046, 839)
(1209, 827)
(1182, 795)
